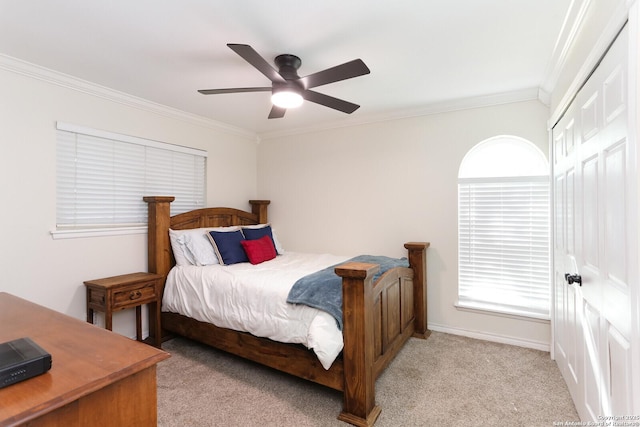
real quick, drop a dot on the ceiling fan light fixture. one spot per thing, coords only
(286, 99)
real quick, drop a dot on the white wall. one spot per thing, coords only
(51, 272)
(363, 189)
(371, 188)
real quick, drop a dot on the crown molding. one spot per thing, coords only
(544, 97)
(573, 21)
(431, 109)
(64, 80)
(34, 71)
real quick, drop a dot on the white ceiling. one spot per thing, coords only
(420, 52)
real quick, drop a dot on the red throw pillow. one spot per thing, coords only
(259, 250)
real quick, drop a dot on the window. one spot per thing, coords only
(503, 228)
(102, 176)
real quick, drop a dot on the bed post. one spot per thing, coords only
(158, 244)
(418, 262)
(259, 207)
(359, 402)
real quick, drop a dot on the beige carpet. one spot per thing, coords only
(446, 380)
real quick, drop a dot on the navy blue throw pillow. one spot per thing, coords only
(228, 247)
(256, 233)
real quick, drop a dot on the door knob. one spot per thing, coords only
(573, 278)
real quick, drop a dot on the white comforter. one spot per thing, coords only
(252, 298)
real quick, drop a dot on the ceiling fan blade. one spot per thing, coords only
(330, 101)
(345, 71)
(254, 58)
(277, 112)
(234, 90)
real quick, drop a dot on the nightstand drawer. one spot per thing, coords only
(134, 295)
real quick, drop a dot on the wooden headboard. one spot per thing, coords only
(160, 221)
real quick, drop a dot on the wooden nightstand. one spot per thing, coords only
(127, 291)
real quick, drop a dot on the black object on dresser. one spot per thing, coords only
(21, 359)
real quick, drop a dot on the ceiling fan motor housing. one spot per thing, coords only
(288, 66)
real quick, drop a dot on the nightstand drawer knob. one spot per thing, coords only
(135, 295)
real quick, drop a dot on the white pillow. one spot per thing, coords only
(198, 249)
(276, 243)
(177, 247)
(194, 247)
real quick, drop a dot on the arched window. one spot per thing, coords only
(503, 228)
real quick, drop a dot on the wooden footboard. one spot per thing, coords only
(378, 318)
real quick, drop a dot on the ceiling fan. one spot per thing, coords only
(287, 88)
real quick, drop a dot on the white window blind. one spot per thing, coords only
(504, 244)
(102, 177)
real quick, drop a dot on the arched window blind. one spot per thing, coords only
(503, 228)
(102, 177)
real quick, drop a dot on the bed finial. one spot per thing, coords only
(159, 260)
(418, 262)
(259, 207)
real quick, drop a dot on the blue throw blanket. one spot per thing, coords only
(323, 289)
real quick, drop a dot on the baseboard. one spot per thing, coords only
(503, 339)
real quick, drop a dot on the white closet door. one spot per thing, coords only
(595, 229)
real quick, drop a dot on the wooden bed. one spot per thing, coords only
(378, 318)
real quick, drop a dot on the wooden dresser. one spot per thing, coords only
(97, 377)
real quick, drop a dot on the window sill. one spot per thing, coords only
(485, 309)
(97, 232)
